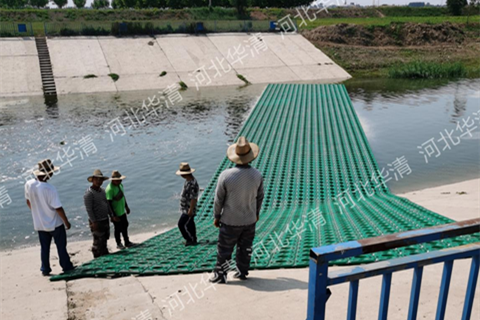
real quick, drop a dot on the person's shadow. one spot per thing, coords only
(270, 285)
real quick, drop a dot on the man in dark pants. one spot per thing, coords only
(188, 204)
(238, 199)
(49, 218)
(98, 211)
(118, 204)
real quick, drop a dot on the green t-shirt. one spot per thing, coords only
(118, 206)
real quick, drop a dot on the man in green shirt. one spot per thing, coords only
(118, 203)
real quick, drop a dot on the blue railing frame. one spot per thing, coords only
(320, 279)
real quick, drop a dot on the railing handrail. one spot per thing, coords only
(392, 241)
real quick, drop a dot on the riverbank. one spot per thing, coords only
(367, 51)
(25, 294)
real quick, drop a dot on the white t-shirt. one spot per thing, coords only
(44, 200)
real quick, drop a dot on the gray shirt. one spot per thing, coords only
(96, 204)
(239, 196)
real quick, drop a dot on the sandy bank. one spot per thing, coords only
(269, 294)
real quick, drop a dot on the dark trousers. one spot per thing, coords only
(100, 238)
(186, 224)
(229, 236)
(60, 237)
(121, 228)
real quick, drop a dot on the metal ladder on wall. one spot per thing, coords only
(48, 82)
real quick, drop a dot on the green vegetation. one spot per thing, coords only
(456, 6)
(60, 3)
(183, 85)
(386, 21)
(114, 76)
(428, 70)
(89, 76)
(164, 73)
(79, 3)
(239, 76)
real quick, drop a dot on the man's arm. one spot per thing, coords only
(193, 203)
(88, 200)
(29, 205)
(220, 194)
(260, 196)
(63, 216)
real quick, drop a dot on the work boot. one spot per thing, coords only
(218, 278)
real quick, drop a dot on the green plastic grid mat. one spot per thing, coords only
(322, 186)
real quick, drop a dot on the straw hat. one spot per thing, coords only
(184, 169)
(116, 175)
(45, 167)
(242, 152)
(97, 174)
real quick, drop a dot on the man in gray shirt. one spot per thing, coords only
(238, 199)
(98, 211)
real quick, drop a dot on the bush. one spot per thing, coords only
(428, 70)
(114, 76)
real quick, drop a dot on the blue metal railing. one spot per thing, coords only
(320, 278)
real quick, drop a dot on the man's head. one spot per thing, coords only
(97, 178)
(242, 152)
(185, 171)
(45, 170)
(116, 178)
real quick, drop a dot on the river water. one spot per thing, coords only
(404, 122)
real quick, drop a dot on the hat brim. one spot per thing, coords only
(184, 173)
(244, 158)
(43, 173)
(119, 178)
(90, 179)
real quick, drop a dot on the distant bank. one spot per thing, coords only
(110, 64)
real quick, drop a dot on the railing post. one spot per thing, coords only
(415, 294)
(45, 28)
(385, 296)
(472, 284)
(352, 300)
(444, 287)
(317, 290)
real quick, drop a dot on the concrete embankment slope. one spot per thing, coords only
(206, 60)
(19, 67)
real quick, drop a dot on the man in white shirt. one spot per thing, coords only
(49, 218)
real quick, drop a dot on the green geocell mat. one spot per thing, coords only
(322, 186)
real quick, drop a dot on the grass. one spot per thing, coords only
(164, 73)
(427, 70)
(239, 76)
(183, 85)
(114, 76)
(384, 21)
(89, 76)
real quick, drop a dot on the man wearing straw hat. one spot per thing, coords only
(188, 204)
(98, 211)
(119, 205)
(49, 218)
(238, 199)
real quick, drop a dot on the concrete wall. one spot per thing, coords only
(206, 60)
(19, 67)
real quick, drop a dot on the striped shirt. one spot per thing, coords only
(96, 204)
(239, 196)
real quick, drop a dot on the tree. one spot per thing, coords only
(60, 3)
(79, 3)
(39, 3)
(99, 4)
(456, 6)
(240, 5)
(13, 3)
